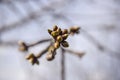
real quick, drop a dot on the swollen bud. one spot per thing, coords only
(65, 31)
(65, 44)
(55, 27)
(54, 33)
(74, 29)
(22, 46)
(49, 31)
(32, 59)
(65, 36)
(59, 38)
(30, 56)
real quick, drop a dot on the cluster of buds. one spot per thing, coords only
(22, 46)
(59, 36)
(32, 59)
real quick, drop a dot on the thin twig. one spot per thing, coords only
(63, 64)
(93, 40)
(79, 54)
(12, 43)
(100, 46)
(39, 42)
(43, 52)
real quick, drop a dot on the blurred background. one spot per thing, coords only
(28, 20)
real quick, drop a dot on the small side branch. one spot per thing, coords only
(25, 47)
(39, 42)
(79, 54)
(43, 51)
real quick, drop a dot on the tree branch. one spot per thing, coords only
(79, 54)
(43, 51)
(62, 64)
(39, 42)
(31, 16)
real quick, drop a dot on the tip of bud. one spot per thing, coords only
(55, 27)
(49, 31)
(54, 34)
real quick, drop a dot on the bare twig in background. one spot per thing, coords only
(31, 16)
(100, 46)
(15, 43)
(12, 6)
(11, 43)
(92, 39)
(62, 64)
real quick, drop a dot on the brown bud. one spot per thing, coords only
(59, 38)
(56, 45)
(22, 46)
(50, 56)
(65, 36)
(54, 34)
(21, 43)
(55, 27)
(30, 56)
(59, 31)
(31, 60)
(74, 30)
(65, 31)
(49, 31)
(65, 44)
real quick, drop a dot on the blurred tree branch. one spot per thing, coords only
(62, 64)
(89, 37)
(31, 16)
